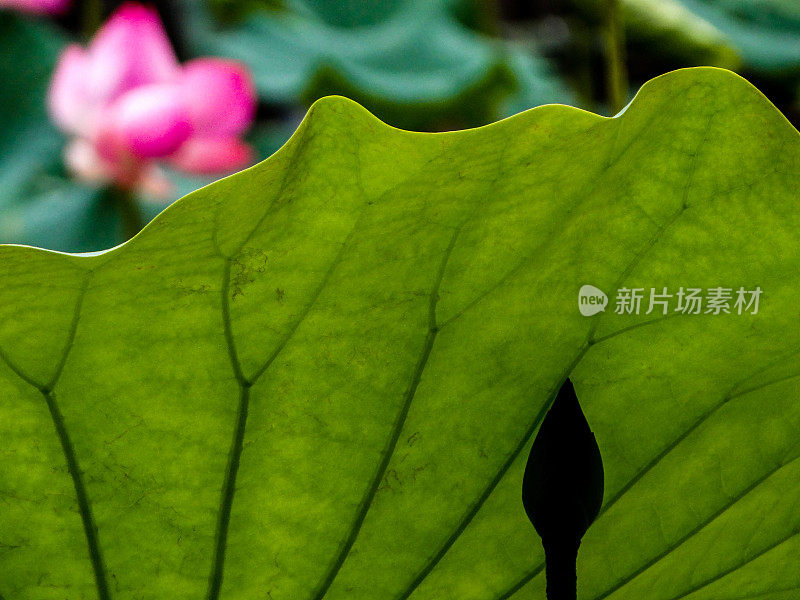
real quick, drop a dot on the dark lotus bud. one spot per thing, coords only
(562, 490)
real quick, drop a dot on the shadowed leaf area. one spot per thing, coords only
(321, 378)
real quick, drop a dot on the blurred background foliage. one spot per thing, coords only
(419, 64)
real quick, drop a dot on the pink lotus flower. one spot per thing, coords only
(130, 105)
(50, 7)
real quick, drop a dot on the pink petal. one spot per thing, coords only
(130, 50)
(206, 156)
(150, 121)
(220, 94)
(67, 98)
(51, 7)
(82, 159)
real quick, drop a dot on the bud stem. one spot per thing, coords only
(561, 557)
(129, 213)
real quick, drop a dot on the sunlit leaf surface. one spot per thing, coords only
(320, 378)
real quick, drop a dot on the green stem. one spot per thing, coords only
(92, 17)
(489, 16)
(616, 72)
(125, 203)
(584, 39)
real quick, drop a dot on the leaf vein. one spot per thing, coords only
(397, 427)
(690, 534)
(67, 447)
(651, 465)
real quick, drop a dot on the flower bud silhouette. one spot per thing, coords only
(562, 489)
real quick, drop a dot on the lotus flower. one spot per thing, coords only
(51, 7)
(131, 106)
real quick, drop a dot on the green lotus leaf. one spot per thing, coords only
(766, 33)
(320, 378)
(761, 35)
(410, 61)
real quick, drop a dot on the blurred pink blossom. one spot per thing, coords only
(130, 106)
(50, 7)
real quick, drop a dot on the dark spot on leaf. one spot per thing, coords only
(245, 267)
